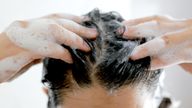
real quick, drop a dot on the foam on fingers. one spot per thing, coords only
(150, 48)
(68, 38)
(58, 52)
(78, 29)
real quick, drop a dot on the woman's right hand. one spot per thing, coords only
(42, 37)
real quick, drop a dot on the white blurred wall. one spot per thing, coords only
(25, 92)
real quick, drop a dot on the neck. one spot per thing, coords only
(97, 97)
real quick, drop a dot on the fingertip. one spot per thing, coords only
(139, 52)
(94, 33)
(66, 56)
(129, 33)
(134, 55)
(59, 52)
(81, 44)
(156, 63)
(84, 46)
(68, 60)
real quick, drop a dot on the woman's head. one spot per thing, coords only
(107, 64)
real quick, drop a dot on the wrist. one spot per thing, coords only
(8, 48)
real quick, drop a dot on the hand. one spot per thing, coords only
(172, 43)
(42, 37)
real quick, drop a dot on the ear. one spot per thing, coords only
(45, 90)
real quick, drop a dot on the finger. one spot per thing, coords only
(152, 29)
(74, 18)
(158, 63)
(146, 19)
(78, 29)
(182, 36)
(148, 29)
(68, 38)
(53, 50)
(150, 26)
(165, 47)
(148, 49)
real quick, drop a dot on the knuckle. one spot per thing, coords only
(55, 15)
(156, 17)
(167, 40)
(23, 24)
(18, 23)
(54, 29)
(159, 17)
(46, 50)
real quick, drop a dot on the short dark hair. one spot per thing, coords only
(108, 62)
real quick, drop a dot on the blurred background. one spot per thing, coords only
(26, 92)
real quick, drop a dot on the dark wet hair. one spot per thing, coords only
(107, 63)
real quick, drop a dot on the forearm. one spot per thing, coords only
(13, 59)
(7, 48)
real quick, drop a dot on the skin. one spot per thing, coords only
(41, 37)
(51, 31)
(98, 97)
(25, 41)
(172, 43)
(19, 48)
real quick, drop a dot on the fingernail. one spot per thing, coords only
(86, 46)
(121, 30)
(127, 32)
(68, 60)
(67, 57)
